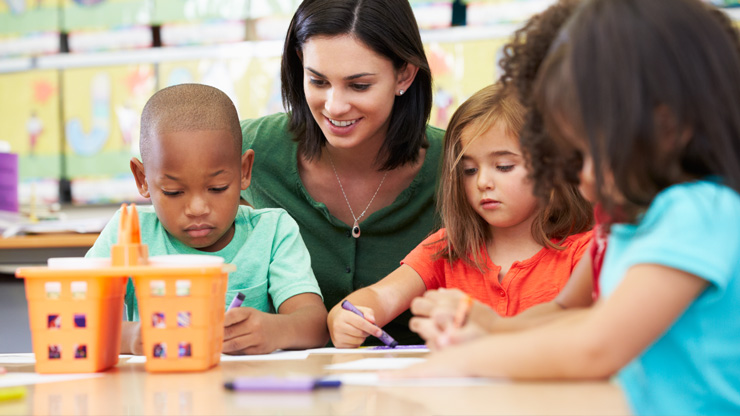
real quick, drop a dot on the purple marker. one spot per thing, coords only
(387, 339)
(280, 384)
(237, 302)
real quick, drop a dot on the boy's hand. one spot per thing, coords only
(349, 330)
(131, 342)
(249, 331)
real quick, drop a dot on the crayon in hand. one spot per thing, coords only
(387, 339)
(237, 302)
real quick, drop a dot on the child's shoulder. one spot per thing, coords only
(704, 197)
(263, 216)
(580, 239)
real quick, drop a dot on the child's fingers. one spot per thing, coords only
(421, 306)
(237, 315)
(348, 341)
(345, 335)
(365, 326)
(427, 330)
(369, 313)
(443, 317)
(246, 344)
(465, 334)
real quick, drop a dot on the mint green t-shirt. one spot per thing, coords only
(272, 263)
(341, 263)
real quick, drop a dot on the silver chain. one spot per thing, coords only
(357, 219)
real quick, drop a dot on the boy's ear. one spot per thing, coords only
(247, 161)
(405, 77)
(137, 168)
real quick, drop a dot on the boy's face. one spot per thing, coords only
(194, 180)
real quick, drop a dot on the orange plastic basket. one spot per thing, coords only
(75, 318)
(76, 313)
(182, 315)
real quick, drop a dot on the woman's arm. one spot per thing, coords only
(380, 303)
(592, 343)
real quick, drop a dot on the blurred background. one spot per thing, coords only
(75, 74)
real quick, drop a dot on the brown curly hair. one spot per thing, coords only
(654, 130)
(549, 164)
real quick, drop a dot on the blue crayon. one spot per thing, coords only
(387, 339)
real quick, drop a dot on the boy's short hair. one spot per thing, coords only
(188, 107)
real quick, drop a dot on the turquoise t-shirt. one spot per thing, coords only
(272, 263)
(694, 368)
(341, 263)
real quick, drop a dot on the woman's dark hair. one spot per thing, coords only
(389, 28)
(522, 57)
(654, 91)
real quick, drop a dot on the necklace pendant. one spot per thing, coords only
(356, 230)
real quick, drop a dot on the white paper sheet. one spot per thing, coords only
(372, 379)
(12, 379)
(275, 356)
(394, 363)
(371, 350)
(19, 358)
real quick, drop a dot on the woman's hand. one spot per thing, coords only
(349, 330)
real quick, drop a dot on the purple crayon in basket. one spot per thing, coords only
(387, 339)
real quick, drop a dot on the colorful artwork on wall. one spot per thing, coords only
(460, 69)
(101, 125)
(30, 124)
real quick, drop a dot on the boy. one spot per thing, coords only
(192, 169)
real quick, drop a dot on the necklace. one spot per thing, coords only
(356, 225)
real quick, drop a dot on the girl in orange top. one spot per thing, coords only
(500, 244)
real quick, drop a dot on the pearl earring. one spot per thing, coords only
(400, 92)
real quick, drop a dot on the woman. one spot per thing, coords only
(353, 161)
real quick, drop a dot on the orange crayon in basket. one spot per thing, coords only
(75, 307)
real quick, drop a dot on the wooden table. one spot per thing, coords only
(129, 389)
(34, 250)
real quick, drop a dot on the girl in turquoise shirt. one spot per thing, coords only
(648, 95)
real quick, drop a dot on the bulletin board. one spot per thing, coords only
(102, 109)
(26, 17)
(168, 11)
(252, 83)
(31, 126)
(105, 14)
(460, 69)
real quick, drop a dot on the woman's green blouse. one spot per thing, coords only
(341, 263)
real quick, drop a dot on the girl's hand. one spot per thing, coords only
(439, 305)
(349, 330)
(249, 331)
(437, 338)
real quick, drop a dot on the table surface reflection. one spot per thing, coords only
(128, 389)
